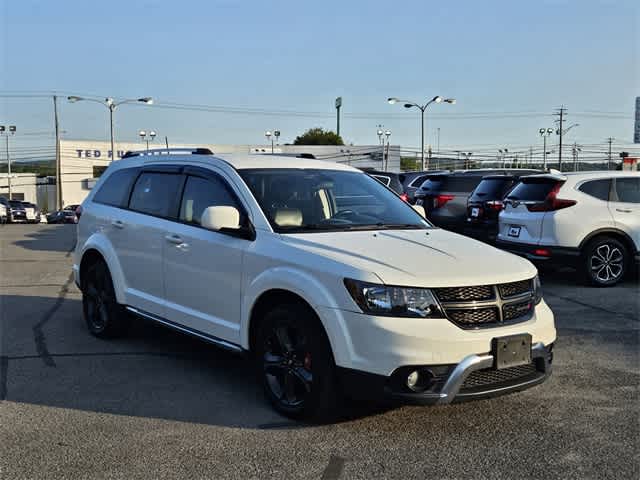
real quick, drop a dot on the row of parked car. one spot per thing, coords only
(587, 220)
(16, 211)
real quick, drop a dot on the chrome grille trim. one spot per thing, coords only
(500, 309)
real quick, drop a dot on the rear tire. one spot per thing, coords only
(295, 364)
(605, 261)
(104, 316)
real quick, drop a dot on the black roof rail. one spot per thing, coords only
(168, 151)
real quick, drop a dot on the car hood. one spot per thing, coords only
(422, 258)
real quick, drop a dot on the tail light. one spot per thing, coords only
(552, 202)
(441, 200)
(404, 197)
(496, 205)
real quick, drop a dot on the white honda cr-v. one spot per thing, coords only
(323, 275)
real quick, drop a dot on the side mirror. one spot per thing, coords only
(218, 218)
(420, 210)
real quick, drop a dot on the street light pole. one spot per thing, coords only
(11, 131)
(422, 108)
(111, 105)
(544, 133)
(151, 136)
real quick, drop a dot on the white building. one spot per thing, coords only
(82, 161)
(23, 186)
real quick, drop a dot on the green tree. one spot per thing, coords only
(318, 136)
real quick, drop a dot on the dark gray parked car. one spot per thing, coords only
(412, 181)
(444, 196)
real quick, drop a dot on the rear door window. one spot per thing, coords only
(532, 190)
(628, 190)
(155, 194)
(597, 188)
(115, 190)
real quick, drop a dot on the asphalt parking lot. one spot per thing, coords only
(160, 405)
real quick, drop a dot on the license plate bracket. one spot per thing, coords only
(514, 231)
(512, 351)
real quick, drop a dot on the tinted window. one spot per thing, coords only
(452, 184)
(155, 193)
(532, 190)
(200, 193)
(419, 181)
(115, 190)
(382, 179)
(597, 188)
(492, 187)
(628, 190)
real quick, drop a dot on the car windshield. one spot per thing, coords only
(307, 200)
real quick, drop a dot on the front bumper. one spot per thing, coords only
(456, 383)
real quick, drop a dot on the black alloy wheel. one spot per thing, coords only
(105, 318)
(296, 365)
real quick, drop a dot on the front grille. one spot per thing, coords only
(516, 310)
(487, 305)
(470, 318)
(492, 377)
(465, 294)
(515, 288)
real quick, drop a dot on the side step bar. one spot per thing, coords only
(232, 347)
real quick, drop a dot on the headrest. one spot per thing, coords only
(288, 217)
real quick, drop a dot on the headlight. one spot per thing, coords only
(537, 290)
(393, 301)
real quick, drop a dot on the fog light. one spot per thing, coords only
(420, 380)
(412, 379)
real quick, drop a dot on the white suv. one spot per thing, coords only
(326, 277)
(590, 220)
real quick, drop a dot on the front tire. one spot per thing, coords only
(296, 365)
(104, 316)
(605, 261)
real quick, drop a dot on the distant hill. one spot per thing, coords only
(41, 168)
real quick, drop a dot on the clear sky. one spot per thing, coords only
(494, 57)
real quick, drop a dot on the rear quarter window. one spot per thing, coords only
(597, 188)
(115, 190)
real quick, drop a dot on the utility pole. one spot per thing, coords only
(609, 141)
(438, 141)
(561, 112)
(338, 105)
(58, 160)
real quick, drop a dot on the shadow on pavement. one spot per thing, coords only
(51, 238)
(153, 372)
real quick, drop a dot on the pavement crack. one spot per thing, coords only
(334, 469)
(38, 335)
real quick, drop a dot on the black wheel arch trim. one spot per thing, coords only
(628, 241)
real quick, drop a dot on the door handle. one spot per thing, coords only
(176, 239)
(623, 210)
(117, 224)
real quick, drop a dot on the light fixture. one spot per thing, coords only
(392, 100)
